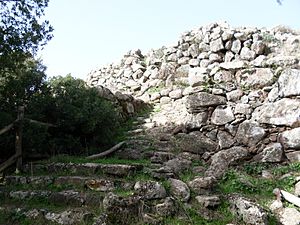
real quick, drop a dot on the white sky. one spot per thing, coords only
(91, 33)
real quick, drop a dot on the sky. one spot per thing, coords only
(91, 33)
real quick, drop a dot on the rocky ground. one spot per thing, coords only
(220, 134)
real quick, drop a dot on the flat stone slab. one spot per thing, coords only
(89, 168)
(283, 112)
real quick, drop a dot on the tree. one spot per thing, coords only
(22, 32)
(22, 28)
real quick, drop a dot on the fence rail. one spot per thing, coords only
(17, 157)
(18, 124)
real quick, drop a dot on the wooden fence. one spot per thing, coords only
(18, 124)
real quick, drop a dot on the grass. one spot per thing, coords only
(193, 216)
(248, 182)
(108, 160)
(155, 89)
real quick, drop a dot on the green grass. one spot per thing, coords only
(155, 89)
(247, 181)
(193, 216)
(108, 160)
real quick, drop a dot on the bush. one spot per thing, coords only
(84, 121)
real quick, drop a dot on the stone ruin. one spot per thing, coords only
(236, 90)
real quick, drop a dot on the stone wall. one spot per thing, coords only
(238, 86)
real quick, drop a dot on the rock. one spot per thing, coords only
(291, 138)
(70, 197)
(216, 57)
(258, 47)
(293, 156)
(196, 102)
(150, 190)
(117, 208)
(193, 51)
(282, 60)
(177, 165)
(176, 94)
(208, 201)
(255, 78)
(283, 112)
(99, 185)
(195, 142)
(197, 76)
(288, 84)
(194, 62)
(258, 62)
(242, 108)
(179, 190)
(21, 195)
(194, 121)
(68, 217)
(249, 133)
(276, 206)
(297, 189)
(247, 54)
(249, 212)
(234, 95)
(216, 45)
(233, 65)
(165, 100)
(182, 71)
(236, 46)
(167, 208)
(183, 60)
(202, 185)
(222, 115)
(289, 216)
(225, 139)
(222, 159)
(272, 153)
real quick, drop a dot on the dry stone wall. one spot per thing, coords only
(240, 87)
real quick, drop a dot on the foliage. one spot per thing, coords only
(22, 30)
(83, 119)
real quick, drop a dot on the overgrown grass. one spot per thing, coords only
(247, 180)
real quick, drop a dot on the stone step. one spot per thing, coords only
(64, 198)
(116, 170)
(80, 182)
(39, 216)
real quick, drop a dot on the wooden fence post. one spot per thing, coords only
(19, 133)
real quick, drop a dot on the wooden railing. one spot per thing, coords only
(17, 157)
(18, 124)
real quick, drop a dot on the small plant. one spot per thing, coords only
(268, 38)
(155, 89)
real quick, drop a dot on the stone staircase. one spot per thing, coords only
(159, 174)
(54, 192)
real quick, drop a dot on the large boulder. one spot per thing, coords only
(248, 211)
(198, 76)
(223, 159)
(180, 190)
(288, 84)
(122, 210)
(249, 133)
(202, 185)
(199, 101)
(283, 112)
(222, 115)
(291, 138)
(150, 190)
(255, 78)
(195, 142)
